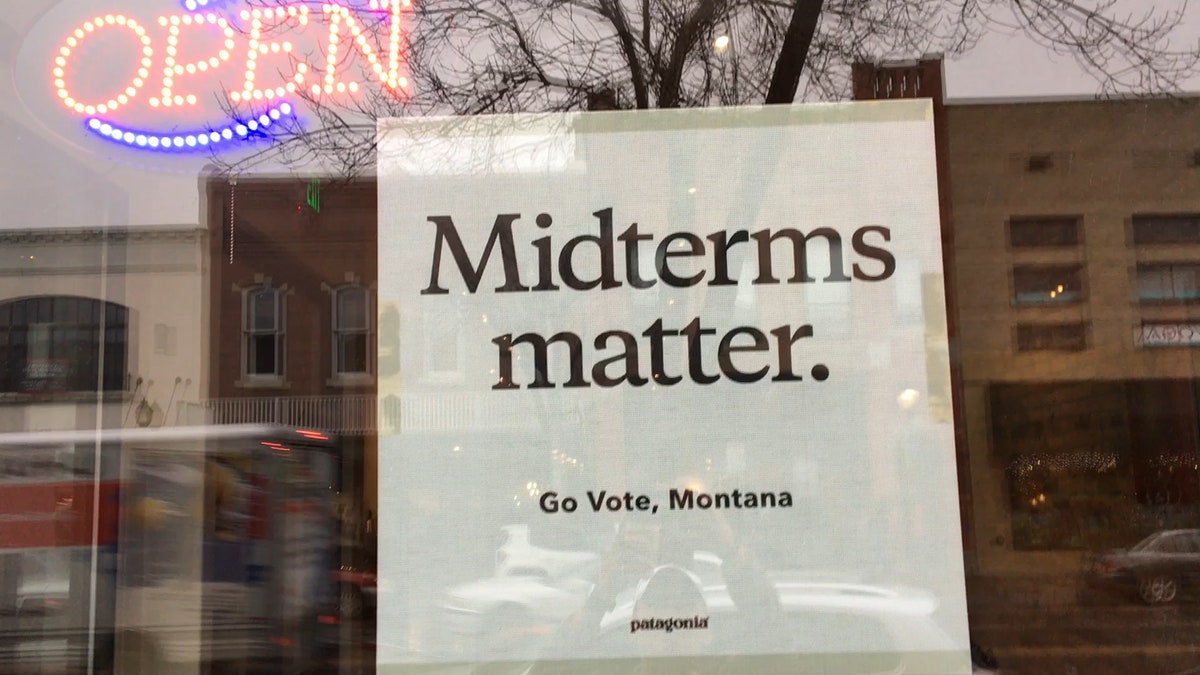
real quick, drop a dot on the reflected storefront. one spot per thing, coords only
(230, 444)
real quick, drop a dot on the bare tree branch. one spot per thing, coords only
(468, 57)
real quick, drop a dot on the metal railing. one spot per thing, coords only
(360, 414)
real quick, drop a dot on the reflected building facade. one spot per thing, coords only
(101, 327)
(292, 288)
(1077, 243)
(1072, 246)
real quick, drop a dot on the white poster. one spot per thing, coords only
(666, 391)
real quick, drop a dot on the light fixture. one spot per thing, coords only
(145, 414)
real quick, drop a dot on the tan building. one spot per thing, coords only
(1071, 232)
(1077, 259)
(119, 311)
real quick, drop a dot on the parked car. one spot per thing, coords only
(518, 552)
(873, 629)
(858, 618)
(1159, 569)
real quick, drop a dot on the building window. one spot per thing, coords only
(263, 332)
(1040, 232)
(1168, 283)
(351, 331)
(1168, 229)
(59, 344)
(1034, 337)
(1039, 163)
(1047, 285)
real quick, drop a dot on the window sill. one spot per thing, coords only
(1056, 350)
(251, 382)
(1074, 302)
(351, 380)
(14, 397)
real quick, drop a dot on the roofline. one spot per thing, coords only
(1070, 98)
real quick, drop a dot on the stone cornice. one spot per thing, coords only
(98, 234)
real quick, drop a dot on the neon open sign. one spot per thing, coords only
(154, 84)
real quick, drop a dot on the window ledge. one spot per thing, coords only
(252, 382)
(23, 398)
(351, 380)
(1049, 303)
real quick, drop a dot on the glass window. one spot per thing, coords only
(1168, 282)
(1044, 285)
(201, 232)
(263, 332)
(1166, 229)
(58, 344)
(352, 331)
(1043, 231)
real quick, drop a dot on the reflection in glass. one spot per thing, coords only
(263, 332)
(53, 344)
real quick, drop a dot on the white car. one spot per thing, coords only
(518, 556)
(872, 629)
(507, 615)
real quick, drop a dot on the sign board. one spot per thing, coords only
(206, 76)
(1168, 335)
(672, 394)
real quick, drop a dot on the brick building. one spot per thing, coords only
(293, 268)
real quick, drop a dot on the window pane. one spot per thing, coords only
(352, 353)
(261, 354)
(1185, 282)
(1035, 285)
(1168, 282)
(1173, 229)
(1052, 231)
(262, 308)
(1154, 283)
(61, 354)
(352, 309)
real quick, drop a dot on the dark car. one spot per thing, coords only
(1159, 569)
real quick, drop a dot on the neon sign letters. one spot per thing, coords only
(134, 81)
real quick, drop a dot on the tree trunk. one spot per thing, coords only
(794, 51)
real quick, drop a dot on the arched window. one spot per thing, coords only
(262, 332)
(56, 344)
(352, 331)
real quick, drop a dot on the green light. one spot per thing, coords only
(314, 195)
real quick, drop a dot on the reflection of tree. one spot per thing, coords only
(468, 57)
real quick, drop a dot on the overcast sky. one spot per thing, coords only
(1007, 65)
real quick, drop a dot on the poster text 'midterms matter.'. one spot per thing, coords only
(620, 359)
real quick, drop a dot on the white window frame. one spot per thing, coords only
(280, 332)
(337, 331)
